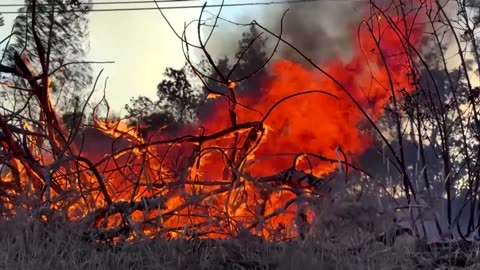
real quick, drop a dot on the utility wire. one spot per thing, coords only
(109, 3)
(192, 6)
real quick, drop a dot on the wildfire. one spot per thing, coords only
(255, 172)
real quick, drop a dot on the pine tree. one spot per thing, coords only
(249, 70)
(62, 27)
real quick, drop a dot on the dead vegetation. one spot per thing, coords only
(144, 206)
(61, 245)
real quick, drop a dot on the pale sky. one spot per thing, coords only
(140, 42)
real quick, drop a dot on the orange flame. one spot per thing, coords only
(237, 180)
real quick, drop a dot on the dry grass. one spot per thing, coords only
(339, 241)
(59, 246)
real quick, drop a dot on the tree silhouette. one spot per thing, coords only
(248, 67)
(177, 102)
(75, 117)
(251, 56)
(62, 28)
(248, 63)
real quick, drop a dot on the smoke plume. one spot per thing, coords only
(321, 29)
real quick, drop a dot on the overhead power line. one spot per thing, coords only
(193, 6)
(110, 3)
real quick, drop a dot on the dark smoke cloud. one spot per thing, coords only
(321, 29)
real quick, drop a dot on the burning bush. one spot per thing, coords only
(259, 164)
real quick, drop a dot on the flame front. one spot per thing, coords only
(253, 172)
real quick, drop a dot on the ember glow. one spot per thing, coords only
(254, 173)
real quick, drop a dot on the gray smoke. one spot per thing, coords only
(321, 29)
